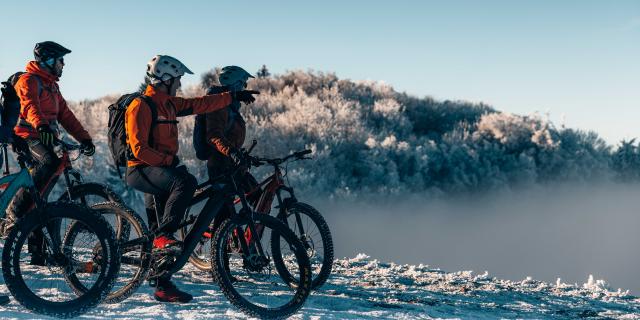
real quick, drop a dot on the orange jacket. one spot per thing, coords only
(41, 102)
(217, 123)
(165, 135)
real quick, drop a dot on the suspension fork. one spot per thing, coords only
(63, 169)
(69, 184)
(252, 228)
(284, 207)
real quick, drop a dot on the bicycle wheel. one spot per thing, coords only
(135, 249)
(43, 288)
(315, 235)
(90, 193)
(249, 280)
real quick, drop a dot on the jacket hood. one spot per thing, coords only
(35, 68)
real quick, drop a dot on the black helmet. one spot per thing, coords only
(47, 50)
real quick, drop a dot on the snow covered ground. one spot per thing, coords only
(363, 287)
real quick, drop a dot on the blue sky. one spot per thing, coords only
(577, 60)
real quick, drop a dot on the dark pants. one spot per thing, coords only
(152, 213)
(172, 186)
(45, 164)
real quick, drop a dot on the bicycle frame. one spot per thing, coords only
(65, 168)
(216, 195)
(273, 187)
(12, 183)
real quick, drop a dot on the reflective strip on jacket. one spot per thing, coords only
(165, 135)
(41, 102)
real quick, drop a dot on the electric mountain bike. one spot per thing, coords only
(244, 266)
(43, 287)
(306, 222)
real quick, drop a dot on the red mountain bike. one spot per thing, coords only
(306, 222)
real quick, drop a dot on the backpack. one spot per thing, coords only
(203, 149)
(10, 105)
(117, 133)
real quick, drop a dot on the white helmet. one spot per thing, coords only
(234, 77)
(162, 68)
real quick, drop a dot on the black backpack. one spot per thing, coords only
(10, 105)
(117, 133)
(203, 149)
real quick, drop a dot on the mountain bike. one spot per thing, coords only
(43, 288)
(306, 222)
(244, 267)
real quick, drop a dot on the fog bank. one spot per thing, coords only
(564, 232)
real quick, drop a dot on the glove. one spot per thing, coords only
(245, 96)
(237, 157)
(88, 148)
(47, 136)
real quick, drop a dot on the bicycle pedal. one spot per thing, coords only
(160, 265)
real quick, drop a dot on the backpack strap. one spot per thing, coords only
(40, 85)
(154, 115)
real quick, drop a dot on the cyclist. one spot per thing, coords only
(226, 131)
(42, 110)
(153, 165)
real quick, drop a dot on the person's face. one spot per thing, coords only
(58, 66)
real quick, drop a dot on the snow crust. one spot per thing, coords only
(362, 287)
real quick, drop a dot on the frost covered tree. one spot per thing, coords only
(369, 139)
(210, 78)
(626, 161)
(263, 72)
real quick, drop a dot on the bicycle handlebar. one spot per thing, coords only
(299, 155)
(256, 162)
